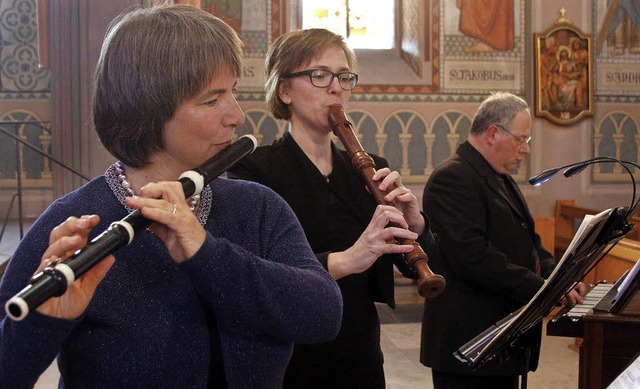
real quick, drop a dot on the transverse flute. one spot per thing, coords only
(54, 279)
(429, 285)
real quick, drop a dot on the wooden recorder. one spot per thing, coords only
(429, 285)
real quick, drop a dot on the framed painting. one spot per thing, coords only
(563, 73)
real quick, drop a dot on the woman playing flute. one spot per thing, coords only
(221, 286)
(307, 72)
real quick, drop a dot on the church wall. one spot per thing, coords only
(414, 124)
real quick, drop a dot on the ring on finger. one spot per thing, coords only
(52, 262)
(175, 208)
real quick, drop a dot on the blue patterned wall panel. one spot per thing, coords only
(21, 77)
(615, 136)
(392, 149)
(35, 169)
(262, 125)
(405, 139)
(450, 129)
(367, 130)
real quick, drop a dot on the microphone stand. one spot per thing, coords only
(19, 167)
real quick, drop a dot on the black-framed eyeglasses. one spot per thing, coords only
(322, 78)
(520, 139)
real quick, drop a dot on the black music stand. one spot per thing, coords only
(594, 236)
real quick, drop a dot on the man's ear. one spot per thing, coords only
(491, 134)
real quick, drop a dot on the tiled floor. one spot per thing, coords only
(558, 362)
(401, 345)
(558, 367)
(10, 238)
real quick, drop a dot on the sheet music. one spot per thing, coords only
(627, 281)
(629, 378)
(585, 228)
(586, 222)
(594, 233)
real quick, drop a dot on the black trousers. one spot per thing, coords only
(442, 380)
(374, 379)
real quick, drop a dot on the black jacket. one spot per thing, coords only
(333, 215)
(487, 247)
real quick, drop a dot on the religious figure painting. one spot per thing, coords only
(617, 47)
(564, 73)
(491, 22)
(483, 46)
(620, 28)
(254, 21)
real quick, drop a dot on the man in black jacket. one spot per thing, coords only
(491, 257)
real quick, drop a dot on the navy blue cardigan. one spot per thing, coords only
(237, 306)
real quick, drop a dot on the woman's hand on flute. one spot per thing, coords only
(402, 197)
(377, 239)
(64, 240)
(177, 226)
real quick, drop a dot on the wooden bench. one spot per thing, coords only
(545, 227)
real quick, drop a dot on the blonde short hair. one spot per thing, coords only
(292, 50)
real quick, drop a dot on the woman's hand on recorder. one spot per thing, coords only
(402, 197)
(376, 240)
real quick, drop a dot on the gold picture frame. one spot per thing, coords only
(563, 73)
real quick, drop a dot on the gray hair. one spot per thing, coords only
(152, 59)
(499, 108)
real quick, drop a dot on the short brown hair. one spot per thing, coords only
(294, 49)
(152, 59)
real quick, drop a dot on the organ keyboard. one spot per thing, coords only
(568, 323)
(610, 332)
